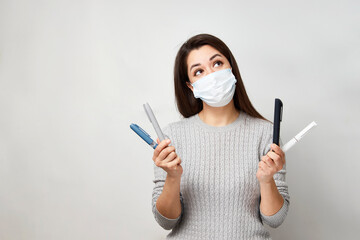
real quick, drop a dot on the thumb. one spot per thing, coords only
(157, 140)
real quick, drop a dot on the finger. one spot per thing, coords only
(263, 165)
(264, 159)
(260, 164)
(175, 162)
(166, 151)
(157, 140)
(170, 157)
(160, 147)
(277, 150)
(270, 162)
(276, 159)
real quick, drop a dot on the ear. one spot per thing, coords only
(189, 85)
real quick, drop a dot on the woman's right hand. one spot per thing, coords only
(166, 158)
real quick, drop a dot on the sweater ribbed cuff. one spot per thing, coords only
(166, 223)
(276, 219)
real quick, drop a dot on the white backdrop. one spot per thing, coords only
(74, 75)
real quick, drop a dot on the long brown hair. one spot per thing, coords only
(187, 104)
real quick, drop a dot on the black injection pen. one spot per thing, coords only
(277, 119)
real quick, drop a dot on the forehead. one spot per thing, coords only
(201, 55)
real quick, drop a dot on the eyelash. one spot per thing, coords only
(200, 69)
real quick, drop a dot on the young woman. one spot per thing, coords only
(220, 177)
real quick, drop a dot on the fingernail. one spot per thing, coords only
(168, 141)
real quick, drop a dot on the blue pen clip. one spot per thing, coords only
(144, 135)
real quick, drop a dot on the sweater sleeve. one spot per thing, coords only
(159, 181)
(278, 218)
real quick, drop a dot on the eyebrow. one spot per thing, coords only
(197, 64)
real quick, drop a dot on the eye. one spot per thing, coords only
(196, 71)
(218, 62)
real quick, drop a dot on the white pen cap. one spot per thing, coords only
(303, 132)
(295, 139)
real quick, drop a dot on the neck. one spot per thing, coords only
(219, 116)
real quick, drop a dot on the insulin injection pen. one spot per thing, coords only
(297, 138)
(277, 119)
(144, 135)
(154, 122)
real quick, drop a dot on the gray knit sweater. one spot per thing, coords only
(219, 191)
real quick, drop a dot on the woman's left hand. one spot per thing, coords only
(270, 164)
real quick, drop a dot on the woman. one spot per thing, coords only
(221, 177)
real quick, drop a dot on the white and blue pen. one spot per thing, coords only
(144, 135)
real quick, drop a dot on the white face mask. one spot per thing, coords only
(217, 88)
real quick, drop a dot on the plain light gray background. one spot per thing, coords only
(74, 75)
